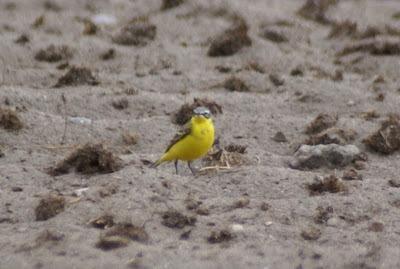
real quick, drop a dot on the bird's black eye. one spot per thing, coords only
(206, 115)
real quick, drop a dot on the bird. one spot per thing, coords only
(192, 141)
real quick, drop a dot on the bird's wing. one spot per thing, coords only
(184, 131)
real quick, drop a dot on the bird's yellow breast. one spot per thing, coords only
(195, 144)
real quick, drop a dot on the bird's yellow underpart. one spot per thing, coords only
(193, 145)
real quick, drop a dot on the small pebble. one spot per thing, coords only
(80, 192)
(333, 222)
(268, 223)
(237, 227)
(104, 19)
(80, 120)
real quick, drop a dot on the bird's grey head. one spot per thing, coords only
(202, 111)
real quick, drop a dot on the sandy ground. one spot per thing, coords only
(268, 217)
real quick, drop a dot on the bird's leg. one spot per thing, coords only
(176, 166)
(189, 162)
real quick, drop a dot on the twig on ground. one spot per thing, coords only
(64, 100)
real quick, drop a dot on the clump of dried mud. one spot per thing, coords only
(175, 219)
(49, 207)
(77, 76)
(387, 138)
(137, 33)
(328, 184)
(185, 112)
(231, 40)
(88, 160)
(10, 120)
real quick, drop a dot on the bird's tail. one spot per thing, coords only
(163, 158)
(157, 163)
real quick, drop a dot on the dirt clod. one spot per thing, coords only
(349, 29)
(265, 206)
(297, 71)
(167, 4)
(77, 76)
(88, 160)
(352, 174)
(62, 65)
(346, 28)
(185, 235)
(202, 211)
(220, 237)
(328, 184)
(120, 234)
(235, 84)
(105, 221)
(323, 214)
(128, 230)
(49, 207)
(231, 40)
(273, 35)
(255, 66)
(185, 112)
(321, 122)
(331, 135)
(380, 97)
(108, 191)
(174, 219)
(90, 28)
(395, 203)
(22, 39)
(137, 33)
(236, 148)
(315, 10)
(130, 139)
(276, 79)
(395, 183)
(167, 184)
(52, 6)
(192, 204)
(310, 234)
(231, 155)
(8, 220)
(10, 120)
(54, 53)
(120, 104)
(370, 32)
(108, 55)
(39, 21)
(223, 68)
(112, 242)
(376, 227)
(17, 189)
(338, 76)
(359, 164)
(374, 47)
(241, 203)
(279, 137)
(387, 138)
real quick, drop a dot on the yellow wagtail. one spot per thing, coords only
(192, 141)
